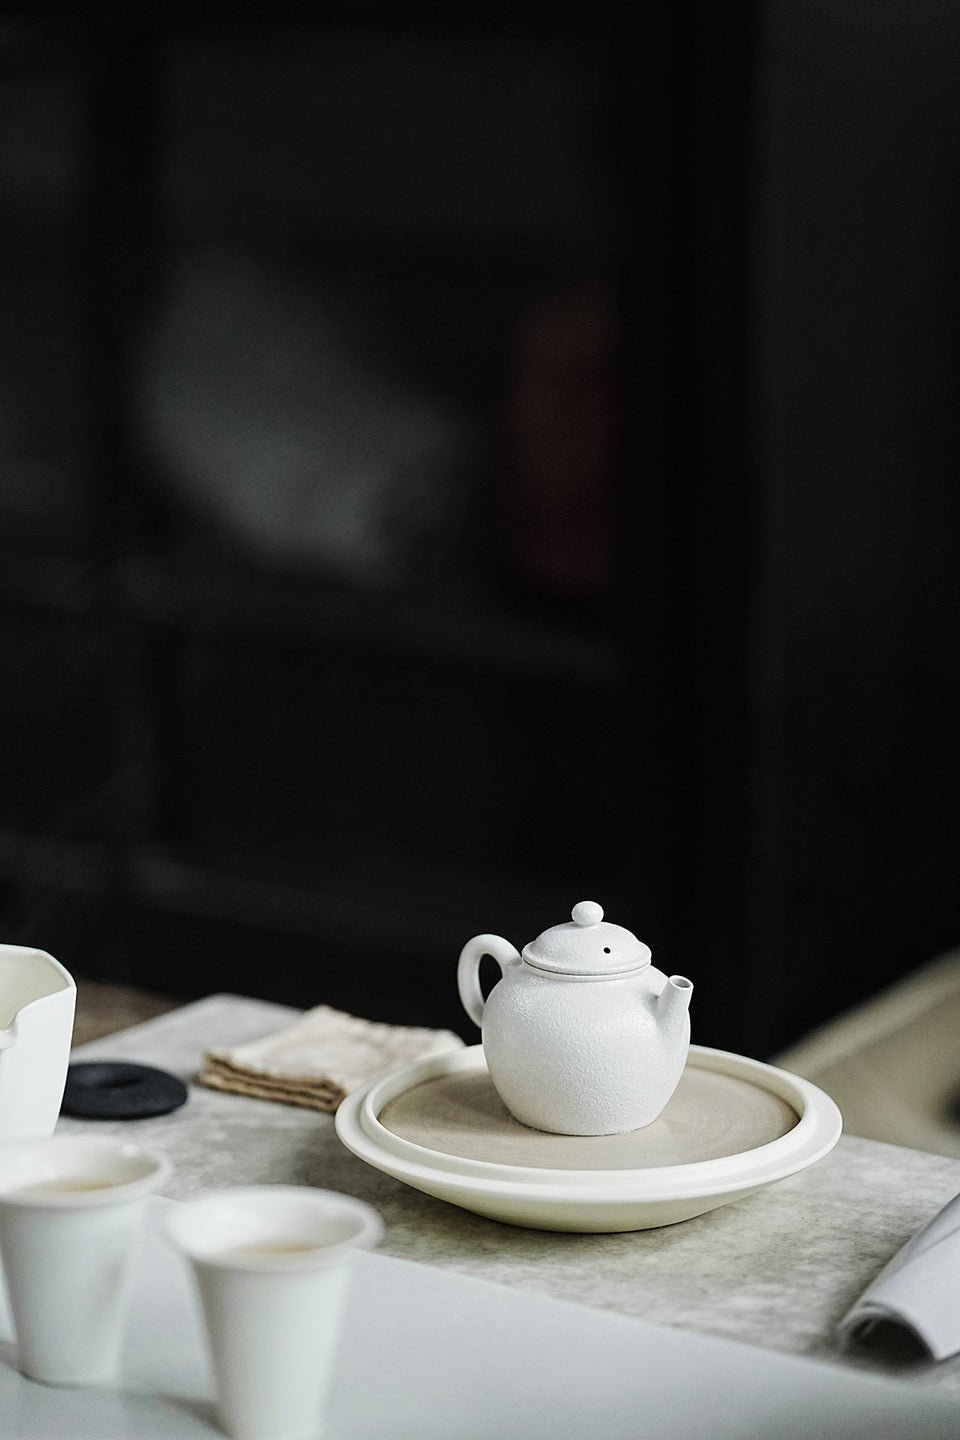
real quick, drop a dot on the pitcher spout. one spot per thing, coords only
(673, 1003)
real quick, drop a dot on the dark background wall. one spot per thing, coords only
(856, 375)
(450, 470)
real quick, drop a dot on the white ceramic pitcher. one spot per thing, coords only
(37, 1003)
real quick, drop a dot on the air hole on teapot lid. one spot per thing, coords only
(606, 949)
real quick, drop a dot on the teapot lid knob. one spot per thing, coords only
(587, 912)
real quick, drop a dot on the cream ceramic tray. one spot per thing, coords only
(733, 1126)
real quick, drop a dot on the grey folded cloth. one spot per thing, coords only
(320, 1058)
(919, 1288)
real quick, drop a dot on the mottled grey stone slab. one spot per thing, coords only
(778, 1269)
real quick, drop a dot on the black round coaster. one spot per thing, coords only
(120, 1090)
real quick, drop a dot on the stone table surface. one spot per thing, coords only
(777, 1269)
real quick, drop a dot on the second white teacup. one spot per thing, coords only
(70, 1210)
(272, 1265)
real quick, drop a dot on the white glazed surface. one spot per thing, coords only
(272, 1266)
(37, 1003)
(67, 1252)
(582, 1035)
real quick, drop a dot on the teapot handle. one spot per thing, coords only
(468, 969)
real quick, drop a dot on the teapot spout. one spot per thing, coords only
(673, 1002)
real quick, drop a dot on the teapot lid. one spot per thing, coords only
(587, 945)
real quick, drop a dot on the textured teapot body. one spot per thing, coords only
(577, 1051)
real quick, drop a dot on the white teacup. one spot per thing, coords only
(272, 1265)
(37, 1002)
(70, 1210)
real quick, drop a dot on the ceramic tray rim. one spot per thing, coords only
(815, 1134)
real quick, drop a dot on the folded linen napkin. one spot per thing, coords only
(319, 1058)
(919, 1288)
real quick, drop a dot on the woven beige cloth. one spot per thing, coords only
(320, 1058)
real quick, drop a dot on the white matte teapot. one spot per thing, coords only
(581, 1035)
